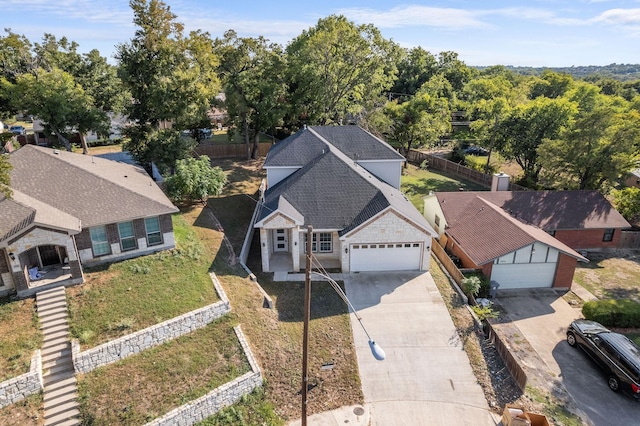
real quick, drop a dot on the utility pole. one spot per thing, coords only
(305, 332)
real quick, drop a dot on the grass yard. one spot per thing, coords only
(609, 277)
(123, 297)
(150, 384)
(19, 335)
(417, 182)
(276, 335)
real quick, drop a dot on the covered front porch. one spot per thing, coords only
(282, 266)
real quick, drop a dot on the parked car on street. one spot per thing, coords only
(476, 150)
(614, 353)
(18, 130)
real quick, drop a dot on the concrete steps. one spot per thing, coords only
(58, 375)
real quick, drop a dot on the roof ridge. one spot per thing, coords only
(56, 155)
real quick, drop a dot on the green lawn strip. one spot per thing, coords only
(19, 336)
(417, 182)
(150, 384)
(134, 294)
(609, 277)
(253, 409)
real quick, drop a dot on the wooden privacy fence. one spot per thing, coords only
(510, 361)
(444, 165)
(230, 150)
(446, 261)
(629, 240)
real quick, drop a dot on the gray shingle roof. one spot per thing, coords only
(353, 141)
(551, 210)
(15, 217)
(332, 192)
(94, 190)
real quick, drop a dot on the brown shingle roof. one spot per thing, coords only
(549, 210)
(485, 231)
(94, 190)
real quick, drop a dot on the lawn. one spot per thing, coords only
(19, 335)
(417, 182)
(609, 277)
(162, 378)
(276, 335)
(126, 296)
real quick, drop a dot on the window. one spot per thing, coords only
(99, 241)
(152, 226)
(608, 234)
(127, 237)
(325, 242)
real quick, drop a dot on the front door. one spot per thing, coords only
(280, 240)
(49, 255)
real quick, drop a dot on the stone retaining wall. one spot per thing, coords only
(155, 335)
(18, 388)
(219, 398)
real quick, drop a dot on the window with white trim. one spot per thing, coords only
(152, 227)
(127, 237)
(99, 241)
(325, 240)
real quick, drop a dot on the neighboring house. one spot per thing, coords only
(70, 210)
(633, 179)
(524, 239)
(344, 182)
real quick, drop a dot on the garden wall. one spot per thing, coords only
(219, 398)
(18, 388)
(155, 335)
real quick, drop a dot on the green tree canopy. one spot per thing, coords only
(252, 71)
(415, 68)
(336, 69)
(627, 202)
(195, 180)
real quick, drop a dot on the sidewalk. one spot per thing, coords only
(351, 415)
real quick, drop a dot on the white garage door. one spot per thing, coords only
(523, 275)
(385, 257)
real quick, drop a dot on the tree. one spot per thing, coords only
(454, 70)
(601, 145)
(423, 119)
(252, 72)
(550, 85)
(171, 78)
(195, 179)
(163, 147)
(61, 104)
(336, 69)
(527, 126)
(627, 202)
(415, 68)
(489, 101)
(5, 168)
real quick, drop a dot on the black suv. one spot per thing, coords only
(618, 356)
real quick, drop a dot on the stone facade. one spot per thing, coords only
(219, 398)
(387, 228)
(155, 335)
(18, 388)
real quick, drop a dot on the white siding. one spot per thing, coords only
(387, 171)
(276, 174)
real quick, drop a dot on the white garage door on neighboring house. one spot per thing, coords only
(385, 257)
(523, 275)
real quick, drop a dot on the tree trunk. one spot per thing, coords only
(83, 142)
(64, 140)
(493, 139)
(247, 140)
(256, 145)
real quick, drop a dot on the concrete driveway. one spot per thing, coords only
(543, 317)
(426, 378)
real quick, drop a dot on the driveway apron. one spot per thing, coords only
(426, 378)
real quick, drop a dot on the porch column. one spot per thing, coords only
(295, 248)
(264, 248)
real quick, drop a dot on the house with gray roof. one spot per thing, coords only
(344, 182)
(68, 210)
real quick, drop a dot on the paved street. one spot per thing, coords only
(426, 378)
(543, 321)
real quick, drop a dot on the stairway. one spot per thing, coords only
(58, 375)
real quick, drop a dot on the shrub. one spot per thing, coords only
(478, 163)
(195, 179)
(613, 313)
(484, 312)
(471, 285)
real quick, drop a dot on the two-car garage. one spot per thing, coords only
(386, 257)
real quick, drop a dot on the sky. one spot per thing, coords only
(551, 33)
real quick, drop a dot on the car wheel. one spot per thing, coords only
(571, 339)
(613, 383)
